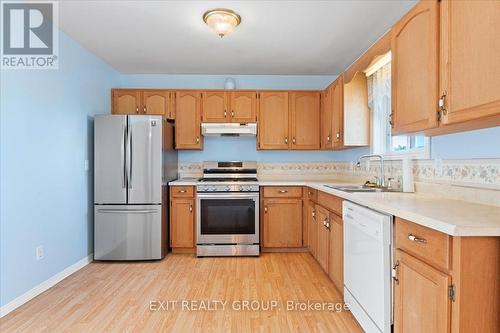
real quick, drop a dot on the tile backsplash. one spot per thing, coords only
(478, 173)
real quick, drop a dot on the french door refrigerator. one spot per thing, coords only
(133, 155)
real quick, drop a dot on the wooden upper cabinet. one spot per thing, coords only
(243, 106)
(414, 46)
(356, 112)
(143, 102)
(215, 107)
(125, 101)
(273, 120)
(470, 60)
(155, 102)
(338, 113)
(282, 223)
(421, 302)
(188, 120)
(182, 223)
(305, 120)
(327, 118)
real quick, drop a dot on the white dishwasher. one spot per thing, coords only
(368, 266)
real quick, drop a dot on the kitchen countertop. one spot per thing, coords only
(453, 217)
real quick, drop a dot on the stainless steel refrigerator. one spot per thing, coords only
(133, 157)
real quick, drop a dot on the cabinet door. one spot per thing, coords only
(323, 241)
(304, 125)
(312, 229)
(470, 59)
(155, 102)
(282, 223)
(414, 46)
(338, 114)
(244, 106)
(187, 120)
(336, 252)
(421, 301)
(327, 119)
(126, 101)
(273, 120)
(182, 223)
(214, 107)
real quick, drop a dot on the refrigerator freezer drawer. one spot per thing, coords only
(125, 232)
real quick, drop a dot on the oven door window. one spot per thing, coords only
(227, 217)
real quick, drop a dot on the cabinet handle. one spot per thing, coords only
(182, 191)
(442, 106)
(314, 214)
(144, 109)
(414, 238)
(328, 138)
(282, 191)
(136, 109)
(293, 141)
(395, 272)
(265, 210)
(338, 135)
(391, 121)
(197, 139)
(232, 113)
(286, 140)
(225, 113)
(190, 208)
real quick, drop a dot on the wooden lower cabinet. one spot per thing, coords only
(312, 234)
(421, 296)
(445, 283)
(182, 223)
(282, 223)
(336, 252)
(323, 236)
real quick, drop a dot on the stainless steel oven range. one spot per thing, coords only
(227, 217)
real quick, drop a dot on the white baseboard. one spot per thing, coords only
(47, 284)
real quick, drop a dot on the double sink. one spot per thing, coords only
(362, 188)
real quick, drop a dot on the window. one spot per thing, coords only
(379, 101)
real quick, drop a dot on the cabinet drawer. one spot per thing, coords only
(282, 192)
(424, 243)
(310, 194)
(331, 202)
(182, 191)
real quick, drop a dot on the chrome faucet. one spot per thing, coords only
(381, 180)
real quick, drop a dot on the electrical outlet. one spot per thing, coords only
(86, 165)
(39, 252)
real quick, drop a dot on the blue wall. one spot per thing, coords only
(46, 136)
(484, 143)
(217, 81)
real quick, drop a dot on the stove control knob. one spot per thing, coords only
(212, 189)
(242, 188)
(227, 188)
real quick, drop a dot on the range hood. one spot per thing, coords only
(228, 129)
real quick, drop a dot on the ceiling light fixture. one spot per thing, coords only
(222, 21)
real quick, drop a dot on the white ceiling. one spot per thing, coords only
(275, 37)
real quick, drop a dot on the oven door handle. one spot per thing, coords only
(232, 195)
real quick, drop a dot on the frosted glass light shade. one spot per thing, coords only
(222, 21)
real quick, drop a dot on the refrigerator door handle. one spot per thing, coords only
(122, 152)
(131, 160)
(128, 163)
(128, 211)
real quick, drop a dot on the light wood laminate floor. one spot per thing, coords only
(117, 297)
